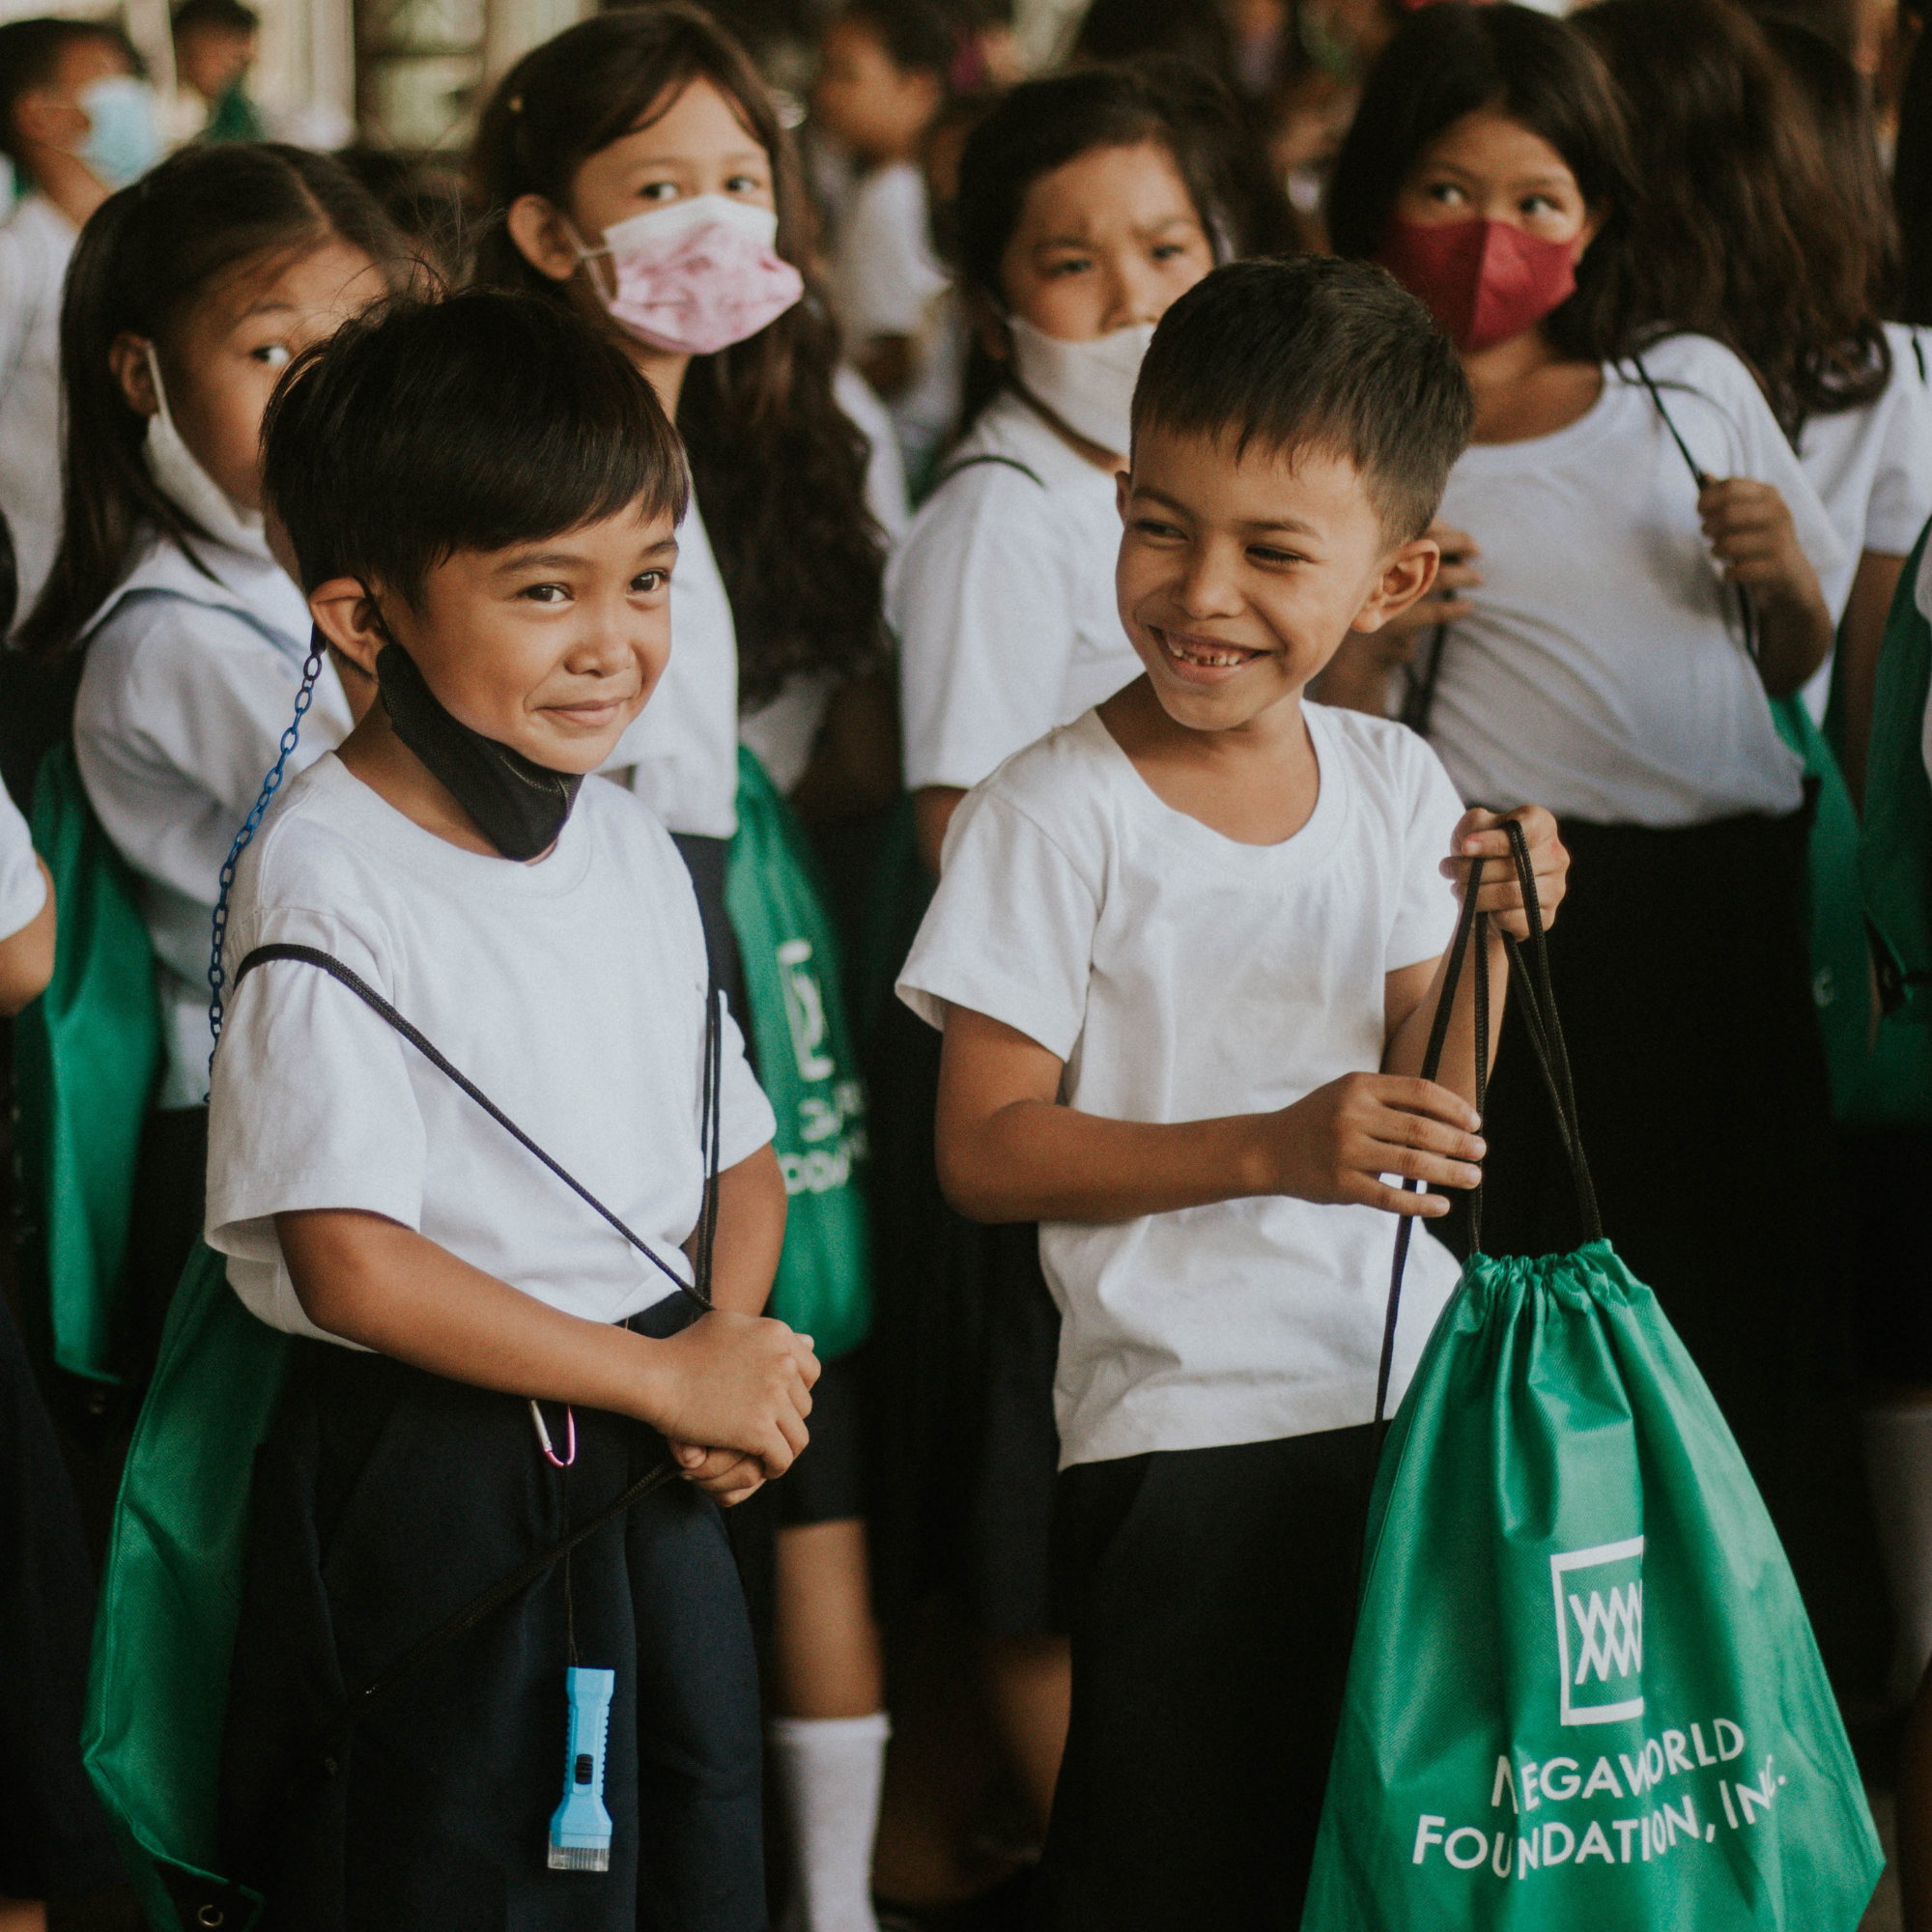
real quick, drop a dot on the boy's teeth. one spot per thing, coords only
(1213, 660)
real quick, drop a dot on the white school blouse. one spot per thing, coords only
(1001, 600)
(1872, 469)
(191, 681)
(23, 891)
(1604, 672)
(680, 755)
(35, 243)
(570, 990)
(1182, 976)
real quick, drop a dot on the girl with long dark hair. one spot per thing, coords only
(1652, 556)
(188, 296)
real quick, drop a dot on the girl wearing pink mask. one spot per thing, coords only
(1643, 555)
(635, 168)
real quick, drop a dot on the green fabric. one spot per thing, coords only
(86, 1056)
(1583, 1690)
(1895, 849)
(806, 1063)
(1841, 979)
(170, 1597)
(235, 116)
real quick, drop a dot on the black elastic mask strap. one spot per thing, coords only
(519, 806)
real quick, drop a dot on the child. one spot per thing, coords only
(76, 124)
(1185, 951)
(1086, 204)
(187, 300)
(1610, 668)
(1779, 156)
(215, 42)
(52, 1836)
(482, 497)
(883, 80)
(635, 173)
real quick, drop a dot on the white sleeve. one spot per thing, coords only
(1425, 921)
(180, 716)
(1901, 497)
(746, 1121)
(19, 290)
(311, 1104)
(1009, 932)
(885, 275)
(23, 891)
(983, 602)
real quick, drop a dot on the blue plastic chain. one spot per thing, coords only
(218, 976)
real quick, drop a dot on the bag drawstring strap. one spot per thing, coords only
(328, 1752)
(700, 1291)
(1747, 610)
(1537, 1002)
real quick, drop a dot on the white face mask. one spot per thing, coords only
(1089, 385)
(190, 488)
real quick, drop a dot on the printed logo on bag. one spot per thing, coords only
(805, 1009)
(1598, 1595)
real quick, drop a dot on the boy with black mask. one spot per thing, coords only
(482, 497)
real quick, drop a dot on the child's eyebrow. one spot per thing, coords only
(738, 158)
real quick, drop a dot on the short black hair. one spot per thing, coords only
(1315, 354)
(490, 419)
(231, 16)
(916, 36)
(31, 52)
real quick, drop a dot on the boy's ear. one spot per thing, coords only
(543, 237)
(344, 613)
(1405, 577)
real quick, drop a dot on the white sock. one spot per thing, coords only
(1899, 1461)
(830, 1770)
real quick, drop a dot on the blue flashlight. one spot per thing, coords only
(579, 1832)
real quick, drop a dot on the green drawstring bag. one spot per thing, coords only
(86, 1056)
(1895, 846)
(1583, 1690)
(1841, 986)
(806, 1064)
(171, 1597)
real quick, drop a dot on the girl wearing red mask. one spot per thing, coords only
(1648, 578)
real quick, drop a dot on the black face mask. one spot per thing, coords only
(518, 805)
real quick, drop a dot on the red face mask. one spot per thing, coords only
(1483, 281)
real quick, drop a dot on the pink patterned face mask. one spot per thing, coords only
(697, 276)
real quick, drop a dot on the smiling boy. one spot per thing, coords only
(1185, 951)
(481, 497)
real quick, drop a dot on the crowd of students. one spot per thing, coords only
(433, 595)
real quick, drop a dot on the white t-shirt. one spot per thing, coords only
(681, 752)
(1002, 599)
(1604, 673)
(1872, 469)
(189, 683)
(1184, 976)
(23, 891)
(570, 990)
(885, 473)
(34, 244)
(885, 280)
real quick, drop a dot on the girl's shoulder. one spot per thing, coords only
(168, 593)
(1700, 365)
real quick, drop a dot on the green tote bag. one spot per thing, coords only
(86, 1056)
(806, 1064)
(1583, 1690)
(171, 1598)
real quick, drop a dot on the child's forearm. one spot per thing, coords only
(1409, 1043)
(750, 1233)
(27, 956)
(1794, 638)
(1037, 1161)
(375, 1282)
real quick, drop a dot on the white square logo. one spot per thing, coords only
(1598, 1595)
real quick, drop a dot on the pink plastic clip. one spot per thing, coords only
(543, 1436)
